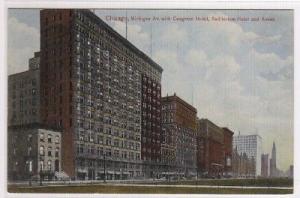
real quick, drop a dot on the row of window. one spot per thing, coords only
(100, 151)
(24, 83)
(110, 141)
(49, 138)
(26, 102)
(111, 43)
(109, 164)
(49, 151)
(49, 165)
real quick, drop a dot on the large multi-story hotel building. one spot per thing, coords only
(104, 93)
(178, 137)
(210, 148)
(251, 145)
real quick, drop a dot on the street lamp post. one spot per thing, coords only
(41, 170)
(104, 158)
(29, 164)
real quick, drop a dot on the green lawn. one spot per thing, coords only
(139, 189)
(282, 182)
(101, 188)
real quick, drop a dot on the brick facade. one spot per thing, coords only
(179, 137)
(91, 84)
(210, 149)
(228, 137)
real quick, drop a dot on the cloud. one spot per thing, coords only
(197, 58)
(135, 34)
(168, 59)
(220, 71)
(173, 32)
(23, 41)
(271, 66)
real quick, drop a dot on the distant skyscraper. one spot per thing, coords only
(265, 165)
(251, 145)
(273, 169)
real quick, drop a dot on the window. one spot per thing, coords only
(116, 153)
(108, 141)
(57, 139)
(49, 138)
(42, 137)
(108, 152)
(116, 142)
(100, 139)
(33, 102)
(49, 151)
(81, 149)
(137, 156)
(33, 82)
(100, 151)
(42, 150)
(33, 91)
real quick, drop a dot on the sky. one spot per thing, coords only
(238, 73)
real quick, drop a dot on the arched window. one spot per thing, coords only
(49, 151)
(56, 152)
(42, 137)
(42, 150)
(57, 139)
(49, 138)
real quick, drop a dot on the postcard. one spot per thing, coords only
(150, 101)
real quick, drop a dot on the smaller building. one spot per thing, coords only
(243, 166)
(33, 151)
(23, 94)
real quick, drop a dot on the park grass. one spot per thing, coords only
(263, 182)
(113, 189)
